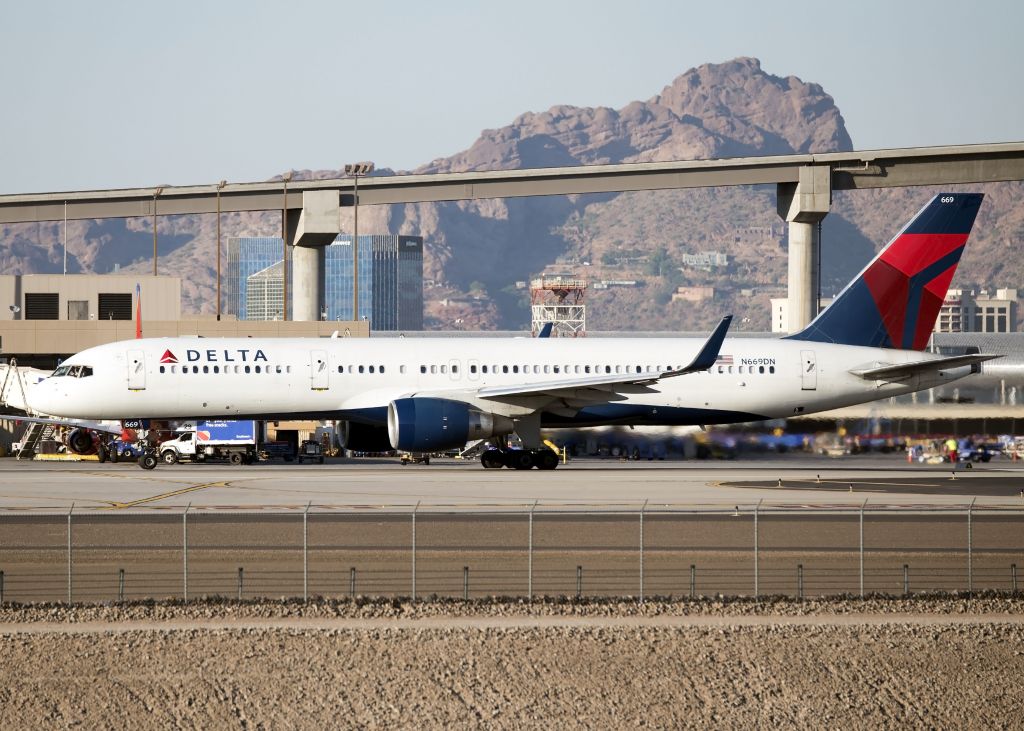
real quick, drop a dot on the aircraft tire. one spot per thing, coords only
(101, 453)
(148, 461)
(492, 460)
(520, 459)
(169, 457)
(235, 458)
(114, 456)
(546, 460)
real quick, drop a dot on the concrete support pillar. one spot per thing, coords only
(804, 204)
(307, 283)
(317, 226)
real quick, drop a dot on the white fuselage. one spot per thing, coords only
(357, 378)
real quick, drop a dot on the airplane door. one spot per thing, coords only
(319, 372)
(808, 370)
(136, 370)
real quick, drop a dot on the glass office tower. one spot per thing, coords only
(390, 280)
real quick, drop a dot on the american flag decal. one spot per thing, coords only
(723, 360)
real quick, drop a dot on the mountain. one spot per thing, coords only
(477, 250)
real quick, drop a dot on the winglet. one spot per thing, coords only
(545, 332)
(709, 353)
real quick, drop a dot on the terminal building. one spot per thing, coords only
(963, 311)
(390, 280)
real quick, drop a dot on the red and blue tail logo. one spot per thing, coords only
(893, 303)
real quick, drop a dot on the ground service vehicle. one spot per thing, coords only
(232, 440)
(311, 450)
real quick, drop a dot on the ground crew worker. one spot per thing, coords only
(951, 449)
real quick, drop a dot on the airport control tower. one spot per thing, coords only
(558, 299)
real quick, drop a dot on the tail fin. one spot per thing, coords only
(894, 301)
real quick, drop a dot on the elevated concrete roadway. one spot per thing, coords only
(849, 171)
(805, 184)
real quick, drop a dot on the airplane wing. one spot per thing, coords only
(108, 427)
(577, 392)
(906, 370)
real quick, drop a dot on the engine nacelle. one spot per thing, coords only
(364, 437)
(430, 424)
(81, 441)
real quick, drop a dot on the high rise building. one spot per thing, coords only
(390, 280)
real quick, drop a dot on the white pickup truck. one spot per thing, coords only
(234, 441)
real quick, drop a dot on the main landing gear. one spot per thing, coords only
(519, 459)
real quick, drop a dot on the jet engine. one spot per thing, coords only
(364, 437)
(81, 441)
(429, 424)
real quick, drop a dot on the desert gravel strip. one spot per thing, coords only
(304, 624)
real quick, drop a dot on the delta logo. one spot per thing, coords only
(168, 357)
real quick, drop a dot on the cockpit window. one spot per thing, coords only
(73, 371)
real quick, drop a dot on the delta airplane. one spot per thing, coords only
(427, 395)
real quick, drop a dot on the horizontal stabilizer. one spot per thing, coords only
(905, 370)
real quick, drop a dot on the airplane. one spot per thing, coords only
(440, 394)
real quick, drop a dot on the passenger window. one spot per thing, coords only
(515, 369)
(195, 369)
(288, 369)
(618, 369)
(341, 369)
(504, 369)
(472, 368)
(401, 369)
(371, 369)
(206, 369)
(444, 369)
(216, 369)
(278, 368)
(361, 369)
(484, 368)
(380, 369)
(161, 369)
(586, 369)
(760, 369)
(547, 369)
(247, 369)
(721, 369)
(423, 369)
(455, 368)
(256, 367)
(771, 369)
(433, 369)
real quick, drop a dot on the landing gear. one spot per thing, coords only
(519, 459)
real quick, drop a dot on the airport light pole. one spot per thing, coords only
(220, 187)
(355, 171)
(284, 243)
(156, 194)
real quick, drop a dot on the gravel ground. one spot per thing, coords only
(925, 663)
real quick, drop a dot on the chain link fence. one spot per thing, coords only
(533, 551)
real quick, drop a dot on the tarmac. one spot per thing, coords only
(463, 485)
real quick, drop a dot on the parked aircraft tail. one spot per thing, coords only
(894, 301)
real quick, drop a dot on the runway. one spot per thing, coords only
(587, 483)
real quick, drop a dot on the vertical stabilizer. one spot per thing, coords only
(894, 301)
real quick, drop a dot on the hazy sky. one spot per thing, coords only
(110, 94)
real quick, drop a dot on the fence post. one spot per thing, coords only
(862, 506)
(970, 549)
(579, 581)
(529, 555)
(906, 580)
(352, 582)
(693, 581)
(757, 587)
(120, 585)
(414, 549)
(1013, 580)
(642, 509)
(465, 583)
(70, 596)
(184, 552)
(240, 580)
(305, 552)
